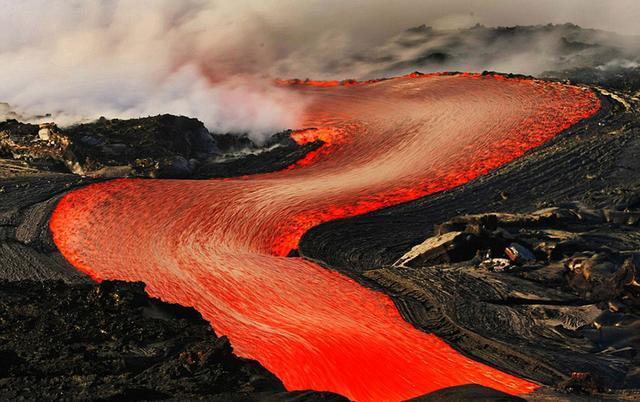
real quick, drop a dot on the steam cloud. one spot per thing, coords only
(215, 60)
(80, 60)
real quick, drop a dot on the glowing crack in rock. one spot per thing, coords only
(220, 245)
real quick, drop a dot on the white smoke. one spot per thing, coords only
(616, 64)
(215, 59)
(81, 60)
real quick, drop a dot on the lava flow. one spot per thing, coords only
(220, 245)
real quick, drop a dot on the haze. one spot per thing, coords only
(214, 60)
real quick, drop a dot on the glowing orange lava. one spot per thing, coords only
(218, 245)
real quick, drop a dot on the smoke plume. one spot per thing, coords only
(215, 60)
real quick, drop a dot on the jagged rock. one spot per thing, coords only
(155, 146)
(177, 167)
(433, 250)
(469, 392)
(622, 217)
(46, 131)
(111, 341)
(163, 146)
(581, 383)
(558, 282)
(519, 254)
(496, 264)
(598, 277)
(158, 146)
(21, 141)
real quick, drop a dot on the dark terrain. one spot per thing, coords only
(165, 146)
(111, 341)
(531, 268)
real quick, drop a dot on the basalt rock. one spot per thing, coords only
(241, 156)
(163, 146)
(154, 146)
(618, 77)
(27, 143)
(581, 383)
(470, 392)
(113, 342)
(599, 276)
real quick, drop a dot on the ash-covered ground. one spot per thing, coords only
(531, 268)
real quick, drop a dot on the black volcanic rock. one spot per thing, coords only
(163, 146)
(155, 137)
(616, 76)
(263, 161)
(160, 145)
(469, 392)
(111, 341)
(243, 156)
(20, 141)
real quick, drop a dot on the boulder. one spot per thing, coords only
(46, 131)
(432, 251)
(519, 254)
(599, 277)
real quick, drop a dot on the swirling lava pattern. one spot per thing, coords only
(220, 245)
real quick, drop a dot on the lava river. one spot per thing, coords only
(221, 245)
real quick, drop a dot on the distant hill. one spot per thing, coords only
(520, 49)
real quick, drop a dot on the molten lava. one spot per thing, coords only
(219, 245)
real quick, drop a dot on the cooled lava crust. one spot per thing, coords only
(221, 245)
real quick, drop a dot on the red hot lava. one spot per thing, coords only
(218, 245)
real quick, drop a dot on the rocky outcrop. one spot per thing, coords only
(26, 143)
(163, 146)
(470, 392)
(113, 342)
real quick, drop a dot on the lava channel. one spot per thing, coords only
(220, 245)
